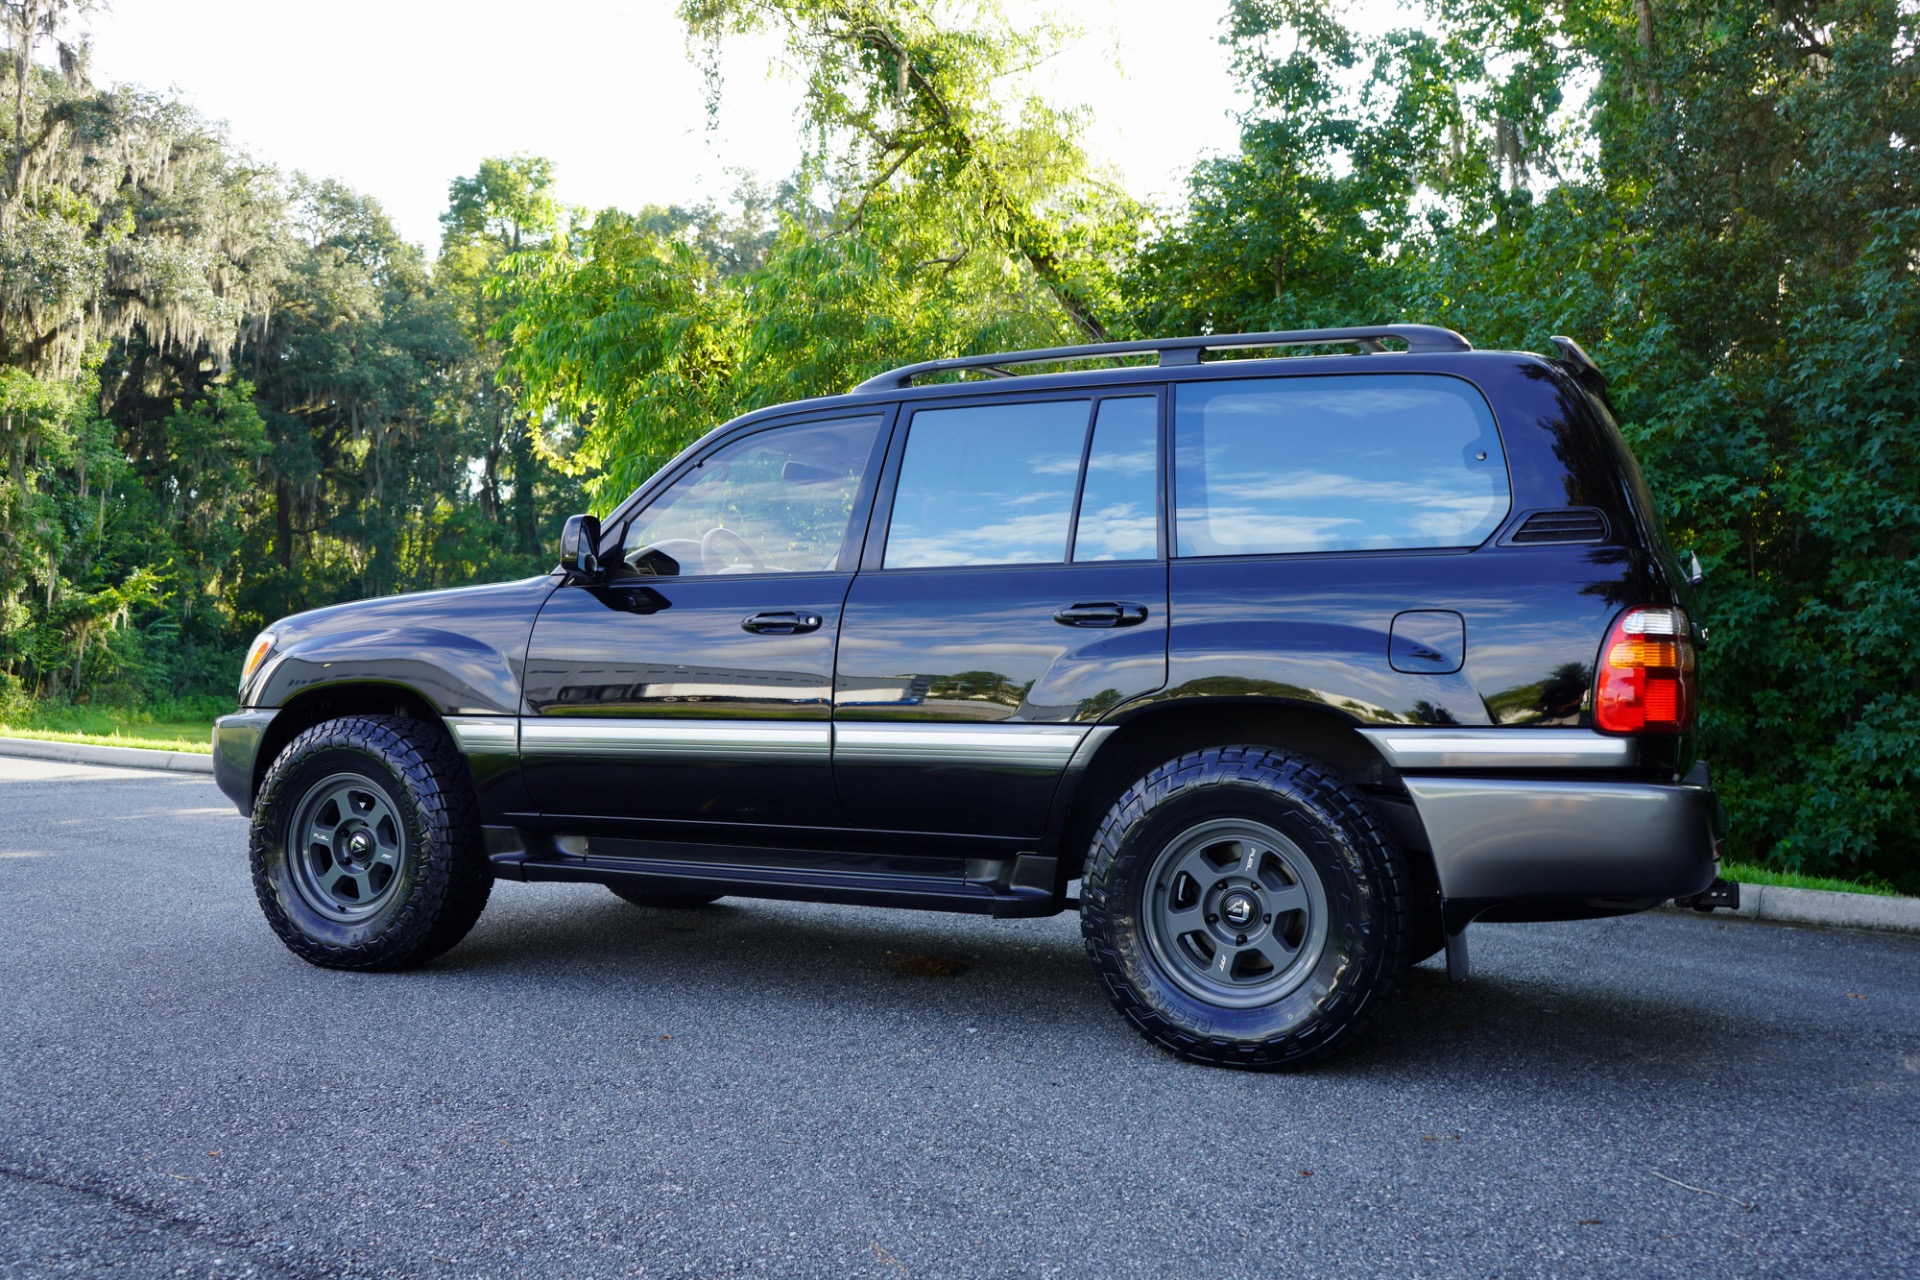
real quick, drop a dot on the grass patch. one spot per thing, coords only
(201, 742)
(183, 725)
(1747, 873)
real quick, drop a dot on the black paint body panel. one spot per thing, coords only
(236, 748)
(463, 651)
(980, 646)
(683, 656)
(1317, 630)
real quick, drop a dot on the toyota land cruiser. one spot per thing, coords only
(1294, 666)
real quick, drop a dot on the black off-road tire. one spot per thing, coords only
(408, 773)
(664, 899)
(1157, 976)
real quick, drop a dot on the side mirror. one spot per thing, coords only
(579, 547)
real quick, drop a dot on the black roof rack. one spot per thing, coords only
(1175, 351)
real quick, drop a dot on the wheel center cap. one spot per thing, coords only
(1238, 909)
(360, 845)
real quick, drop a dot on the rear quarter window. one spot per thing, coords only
(1368, 462)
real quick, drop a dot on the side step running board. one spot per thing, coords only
(1018, 886)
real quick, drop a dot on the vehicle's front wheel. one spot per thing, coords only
(366, 849)
(1244, 907)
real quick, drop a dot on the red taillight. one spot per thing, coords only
(1645, 683)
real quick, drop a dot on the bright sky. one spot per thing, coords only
(398, 97)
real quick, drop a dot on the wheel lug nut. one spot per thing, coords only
(1267, 919)
(1213, 919)
(1241, 940)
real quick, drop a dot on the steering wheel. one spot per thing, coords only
(709, 547)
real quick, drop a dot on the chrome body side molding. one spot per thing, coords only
(1039, 748)
(1474, 748)
(745, 741)
(485, 735)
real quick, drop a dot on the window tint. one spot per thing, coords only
(1335, 464)
(1118, 501)
(776, 501)
(989, 484)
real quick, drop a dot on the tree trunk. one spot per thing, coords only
(1643, 16)
(526, 518)
(25, 21)
(283, 523)
(79, 657)
(490, 468)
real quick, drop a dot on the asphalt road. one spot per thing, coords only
(585, 1088)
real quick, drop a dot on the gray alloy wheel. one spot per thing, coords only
(1236, 913)
(347, 847)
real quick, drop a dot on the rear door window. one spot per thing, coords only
(1356, 463)
(988, 484)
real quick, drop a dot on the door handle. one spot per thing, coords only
(1107, 613)
(781, 622)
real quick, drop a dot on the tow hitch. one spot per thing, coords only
(1721, 895)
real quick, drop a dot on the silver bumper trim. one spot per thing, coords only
(1511, 838)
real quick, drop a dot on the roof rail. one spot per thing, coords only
(1175, 351)
(1572, 353)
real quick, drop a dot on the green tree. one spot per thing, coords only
(629, 334)
(122, 216)
(907, 106)
(939, 209)
(213, 449)
(503, 209)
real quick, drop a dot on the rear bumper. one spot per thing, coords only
(236, 749)
(1501, 839)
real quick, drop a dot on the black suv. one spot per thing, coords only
(1295, 665)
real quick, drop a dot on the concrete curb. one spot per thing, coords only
(125, 757)
(1825, 907)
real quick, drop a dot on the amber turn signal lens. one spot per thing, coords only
(262, 646)
(1645, 683)
(1644, 653)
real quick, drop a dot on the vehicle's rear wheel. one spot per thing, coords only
(1244, 907)
(366, 849)
(666, 901)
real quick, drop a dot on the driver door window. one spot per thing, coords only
(777, 501)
